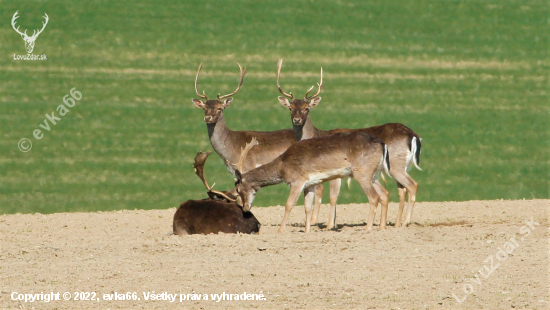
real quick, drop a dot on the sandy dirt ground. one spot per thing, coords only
(489, 254)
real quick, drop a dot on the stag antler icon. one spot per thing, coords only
(29, 41)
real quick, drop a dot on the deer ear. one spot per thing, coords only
(227, 102)
(284, 101)
(314, 102)
(198, 103)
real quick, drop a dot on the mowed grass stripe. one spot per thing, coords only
(360, 61)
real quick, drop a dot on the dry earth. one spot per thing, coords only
(419, 267)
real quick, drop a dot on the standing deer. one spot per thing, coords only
(403, 147)
(218, 213)
(228, 143)
(29, 41)
(310, 162)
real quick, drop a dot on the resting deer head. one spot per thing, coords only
(29, 41)
(200, 159)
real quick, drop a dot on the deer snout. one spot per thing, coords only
(297, 121)
(208, 119)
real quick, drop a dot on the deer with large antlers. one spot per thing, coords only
(311, 162)
(29, 41)
(403, 147)
(228, 143)
(218, 213)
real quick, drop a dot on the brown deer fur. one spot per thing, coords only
(219, 213)
(228, 143)
(311, 162)
(403, 148)
(209, 216)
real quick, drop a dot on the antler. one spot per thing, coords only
(244, 153)
(243, 72)
(318, 91)
(43, 26)
(13, 24)
(200, 159)
(279, 65)
(196, 90)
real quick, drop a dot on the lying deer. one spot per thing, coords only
(403, 147)
(228, 143)
(311, 162)
(218, 213)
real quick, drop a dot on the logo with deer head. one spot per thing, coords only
(29, 40)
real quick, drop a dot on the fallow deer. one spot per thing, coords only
(403, 146)
(308, 163)
(218, 213)
(228, 143)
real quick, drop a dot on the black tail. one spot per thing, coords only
(418, 146)
(386, 156)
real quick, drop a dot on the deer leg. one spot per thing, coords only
(402, 195)
(291, 201)
(384, 200)
(309, 194)
(412, 200)
(368, 188)
(408, 185)
(319, 190)
(334, 192)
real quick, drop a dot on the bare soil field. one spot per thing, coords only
(462, 255)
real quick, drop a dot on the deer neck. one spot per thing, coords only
(306, 130)
(221, 139)
(266, 175)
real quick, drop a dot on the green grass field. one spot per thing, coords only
(470, 77)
